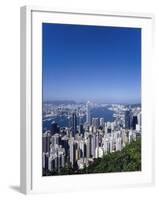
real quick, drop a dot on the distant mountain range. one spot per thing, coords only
(66, 102)
(59, 102)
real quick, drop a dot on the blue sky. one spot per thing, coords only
(91, 63)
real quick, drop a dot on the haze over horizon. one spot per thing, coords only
(91, 101)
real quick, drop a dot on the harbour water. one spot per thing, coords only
(63, 121)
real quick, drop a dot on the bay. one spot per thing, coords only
(63, 121)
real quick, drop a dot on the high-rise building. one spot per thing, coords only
(130, 136)
(72, 152)
(97, 139)
(74, 124)
(56, 159)
(99, 152)
(111, 145)
(88, 114)
(55, 139)
(118, 144)
(101, 122)
(53, 162)
(134, 122)
(127, 119)
(82, 148)
(69, 121)
(80, 118)
(46, 142)
(61, 157)
(54, 128)
(45, 160)
(105, 144)
(139, 119)
(81, 129)
(89, 146)
(105, 128)
(65, 145)
(93, 145)
(95, 122)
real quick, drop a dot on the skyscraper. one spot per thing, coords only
(55, 139)
(95, 122)
(105, 141)
(88, 115)
(74, 124)
(134, 122)
(54, 128)
(46, 142)
(139, 118)
(88, 146)
(127, 119)
(102, 121)
(93, 145)
(81, 129)
(72, 151)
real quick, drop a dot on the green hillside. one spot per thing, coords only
(129, 159)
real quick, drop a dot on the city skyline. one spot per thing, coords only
(101, 64)
(75, 141)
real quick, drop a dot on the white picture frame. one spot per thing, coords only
(31, 100)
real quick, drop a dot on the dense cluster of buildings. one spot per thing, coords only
(78, 145)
